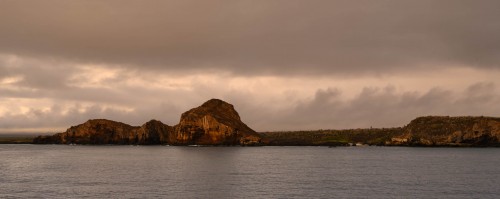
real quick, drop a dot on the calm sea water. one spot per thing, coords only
(60, 171)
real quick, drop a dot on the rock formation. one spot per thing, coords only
(450, 131)
(422, 131)
(213, 123)
(216, 122)
(155, 132)
(101, 131)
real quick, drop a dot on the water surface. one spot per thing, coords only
(62, 171)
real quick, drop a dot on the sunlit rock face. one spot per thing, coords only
(451, 131)
(214, 123)
(101, 131)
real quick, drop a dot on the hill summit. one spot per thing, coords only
(214, 122)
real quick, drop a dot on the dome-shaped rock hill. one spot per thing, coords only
(215, 122)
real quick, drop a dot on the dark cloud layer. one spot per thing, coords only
(63, 62)
(257, 37)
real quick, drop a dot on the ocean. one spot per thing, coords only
(63, 171)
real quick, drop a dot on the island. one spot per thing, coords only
(217, 123)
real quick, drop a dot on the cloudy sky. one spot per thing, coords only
(284, 64)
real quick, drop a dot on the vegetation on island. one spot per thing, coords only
(16, 139)
(371, 136)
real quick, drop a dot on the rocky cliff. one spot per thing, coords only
(216, 122)
(422, 131)
(450, 131)
(213, 123)
(101, 131)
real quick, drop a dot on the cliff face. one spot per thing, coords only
(100, 131)
(422, 131)
(155, 132)
(450, 131)
(216, 122)
(213, 123)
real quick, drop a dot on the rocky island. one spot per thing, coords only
(449, 131)
(217, 123)
(432, 131)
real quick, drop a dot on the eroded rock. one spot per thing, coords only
(450, 131)
(213, 123)
(101, 131)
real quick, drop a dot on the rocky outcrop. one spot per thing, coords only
(216, 122)
(213, 123)
(155, 132)
(101, 131)
(422, 131)
(450, 131)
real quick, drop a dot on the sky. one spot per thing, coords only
(283, 64)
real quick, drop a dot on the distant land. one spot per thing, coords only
(16, 138)
(423, 131)
(216, 123)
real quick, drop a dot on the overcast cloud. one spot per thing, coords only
(285, 64)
